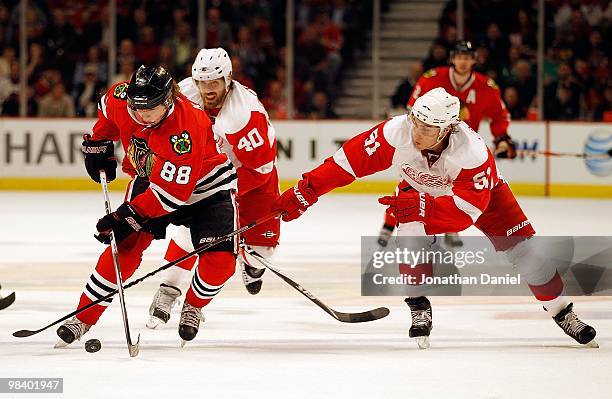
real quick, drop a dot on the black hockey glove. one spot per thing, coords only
(99, 155)
(504, 147)
(124, 221)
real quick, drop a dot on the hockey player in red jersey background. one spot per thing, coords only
(243, 131)
(173, 161)
(480, 99)
(449, 181)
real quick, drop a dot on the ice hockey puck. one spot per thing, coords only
(93, 345)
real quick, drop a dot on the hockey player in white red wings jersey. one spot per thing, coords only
(243, 131)
(448, 182)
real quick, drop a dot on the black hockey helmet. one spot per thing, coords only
(149, 87)
(463, 47)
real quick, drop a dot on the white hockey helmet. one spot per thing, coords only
(211, 64)
(437, 108)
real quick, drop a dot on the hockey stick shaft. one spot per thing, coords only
(370, 315)
(132, 348)
(565, 154)
(198, 250)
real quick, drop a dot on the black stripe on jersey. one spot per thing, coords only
(212, 178)
(166, 201)
(101, 285)
(227, 180)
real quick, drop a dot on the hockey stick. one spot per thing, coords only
(6, 301)
(204, 247)
(132, 348)
(534, 153)
(360, 317)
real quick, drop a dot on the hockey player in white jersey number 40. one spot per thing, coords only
(243, 131)
(449, 181)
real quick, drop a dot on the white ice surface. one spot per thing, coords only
(277, 344)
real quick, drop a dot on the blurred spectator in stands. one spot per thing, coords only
(182, 45)
(483, 65)
(551, 64)
(497, 44)
(523, 31)
(562, 103)
(275, 101)
(94, 57)
(399, 99)
(36, 62)
(250, 54)
(10, 107)
(88, 93)
(238, 73)
(6, 32)
(524, 83)
(60, 41)
(9, 84)
(126, 55)
(332, 41)
(438, 56)
(47, 79)
(9, 55)
(514, 106)
(448, 37)
(147, 49)
(125, 73)
(320, 107)
(603, 110)
(583, 75)
(218, 32)
(166, 59)
(139, 22)
(36, 22)
(56, 103)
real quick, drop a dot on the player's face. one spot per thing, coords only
(150, 117)
(463, 63)
(424, 136)
(212, 92)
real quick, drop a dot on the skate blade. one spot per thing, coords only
(183, 342)
(154, 322)
(592, 344)
(60, 345)
(423, 342)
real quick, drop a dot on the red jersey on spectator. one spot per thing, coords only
(480, 98)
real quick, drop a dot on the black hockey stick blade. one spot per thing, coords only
(7, 301)
(360, 317)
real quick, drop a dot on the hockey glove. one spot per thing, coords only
(294, 201)
(124, 221)
(99, 155)
(411, 206)
(504, 147)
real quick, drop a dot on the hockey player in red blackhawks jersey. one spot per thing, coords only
(243, 131)
(449, 181)
(480, 99)
(173, 160)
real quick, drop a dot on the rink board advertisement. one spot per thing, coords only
(45, 154)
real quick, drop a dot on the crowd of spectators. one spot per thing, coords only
(68, 46)
(577, 69)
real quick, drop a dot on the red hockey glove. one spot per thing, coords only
(504, 147)
(411, 206)
(124, 221)
(294, 201)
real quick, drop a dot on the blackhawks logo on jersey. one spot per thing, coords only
(181, 144)
(120, 91)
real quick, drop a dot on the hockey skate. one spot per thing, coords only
(452, 240)
(576, 328)
(251, 276)
(159, 311)
(71, 330)
(385, 235)
(420, 310)
(190, 322)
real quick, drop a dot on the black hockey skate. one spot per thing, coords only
(385, 235)
(576, 328)
(70, 331)
(159, 311)
(251, 276)
(190, 322)
(420, 310)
